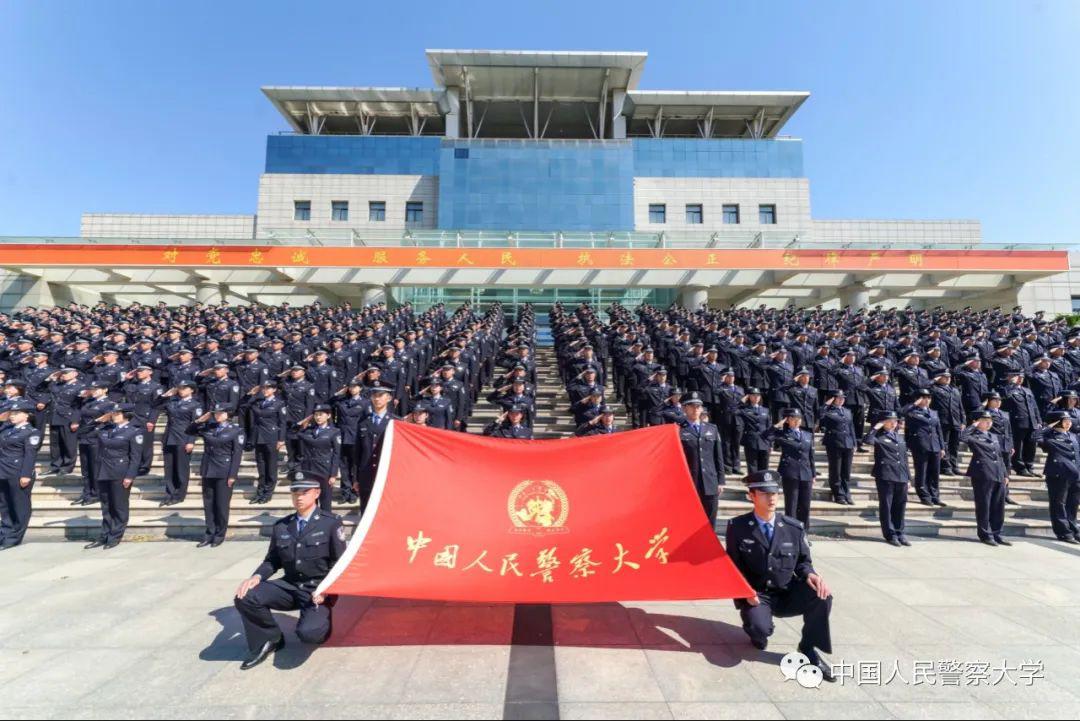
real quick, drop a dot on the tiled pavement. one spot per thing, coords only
(148, 630)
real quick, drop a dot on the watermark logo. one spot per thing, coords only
(797, 667)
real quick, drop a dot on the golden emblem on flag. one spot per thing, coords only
(538, 507)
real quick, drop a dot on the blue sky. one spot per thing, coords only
(959, 109)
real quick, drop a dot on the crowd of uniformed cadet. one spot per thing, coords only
(316, 387)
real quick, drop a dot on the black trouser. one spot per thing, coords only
(114, 509)
(858, 419)
(710, 504)
(365, 479)
(1064, 500)
(729, 434)
(840, 471)
(797, 500)
(798, 600)
(15, 510)
(1024, 442)
(950, 465)
(756, 460)
(296, 451)
(63, 448)
(177, 472)
(348, 470)
(927, 474)
(989, 507)
(892, 507)
(266, 461)
(87, 462)
(147, 458)
(1006, 458)
(248, 422)
(216, 498)
(259, 624)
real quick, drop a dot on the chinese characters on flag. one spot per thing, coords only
(457, 517)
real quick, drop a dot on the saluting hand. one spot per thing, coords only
(878, 426)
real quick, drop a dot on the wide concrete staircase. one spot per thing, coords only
(55, 519)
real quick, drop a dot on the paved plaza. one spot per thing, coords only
(149, 630)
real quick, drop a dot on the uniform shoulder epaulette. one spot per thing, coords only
(285, 521)
(793, 521)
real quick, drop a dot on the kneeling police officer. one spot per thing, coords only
(771, 552)
(305, 545)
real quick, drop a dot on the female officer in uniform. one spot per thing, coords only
(223, 447)
(1062, 473)
(119, 452)
(797, 467)
(989, 474)
(320, 451)
(19, 443)
(892, 476)
(350, 407)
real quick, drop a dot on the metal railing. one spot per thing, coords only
(427, 238)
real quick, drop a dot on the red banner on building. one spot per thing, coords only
(459, 517)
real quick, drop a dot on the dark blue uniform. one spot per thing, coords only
(18, 452)
(755, 422)
(299, 398)
(987, 472)
(892, 476)
(839, 439)
(926, 440)
(704, 451)
(87, 436)
(1026, 419)
(508, 430)
(797, 469)
(268, 419)
(778, 570)
(306, 556)
(61, 413)
(146, 397)
(947, 402)
(180, 413)
(322, 456)
(223, 448)
(119, 451)
(1062, 473)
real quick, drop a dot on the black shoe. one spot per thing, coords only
(850, 501)
(759, 644)
(111, 544)
(164, 503)
(894, 542)
(904, 541)
(262, 654)
(826, 671)
(49, 473)
(941, 504)
(1069, 539)
(79, 501)
(839, 501)
(926, 502)
(204, 543)
(988, 541)
(1077, 537)
(217, 542)
(7, 546)
(1001, 541)
(94, 544)
(1011, 502)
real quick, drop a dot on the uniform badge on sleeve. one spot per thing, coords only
(341, 533)
(240, 438)
(138, 439)
(35, 440)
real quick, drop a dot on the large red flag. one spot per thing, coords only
(459, 517)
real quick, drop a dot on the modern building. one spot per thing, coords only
(533, 176)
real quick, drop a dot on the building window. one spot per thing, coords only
(694, 216)
(339, 210)
(1076, 304)
(414, 212)
(461, 153)
(731, 215)
(657, 213)
(376, 211)
(767, 214)
(302, 210)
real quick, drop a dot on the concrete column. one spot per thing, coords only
(692, 297)
(374, 294)
(618, 120)
(209, 293)
(453, 116)
(856, 296)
